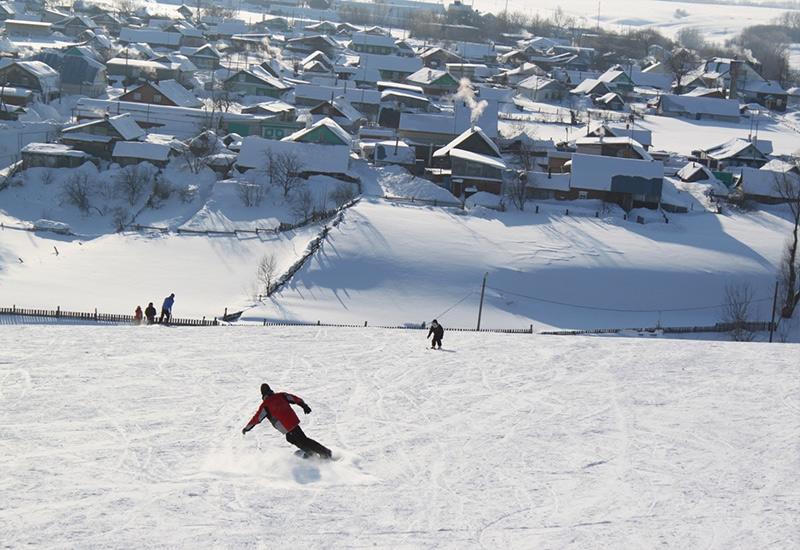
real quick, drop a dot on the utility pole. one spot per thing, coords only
(774, 306)
(480, 308)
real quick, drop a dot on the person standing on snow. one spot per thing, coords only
(150, 313)
(437, 331)
(137, 315)
(166, 308)
(277, 408)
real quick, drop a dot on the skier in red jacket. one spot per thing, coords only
(277, 408)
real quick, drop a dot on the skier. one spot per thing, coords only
(438, 333)
(166, 308)
(137, 315)
(276, 407)
(150, 313)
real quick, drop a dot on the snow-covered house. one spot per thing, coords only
(630, 183)
(81, 74)
(309, 44)
(433, 81)
(52, 155)
(388, 152)
(323, 132)
(468, 164)
(698, 108)
(744, 82)
(617, 80)
(610, 101)
(153, 36)
(311, 158)
(366, 101)
(204, 57)
(372, 69)
(694, 172)
(256, 82)
(735, 153)
(344, 114)
(379, 44)
(145, 69)
(21, 28)
(98, 137)
(438, 58)
(620, 147)
(537, 88)
(75, 25)
(133, 152)
(6, 11)
(164, 92)
(591, 87)
(767, 186)
(40, 78)
(599, 129)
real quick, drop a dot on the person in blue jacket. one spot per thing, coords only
(166, 308)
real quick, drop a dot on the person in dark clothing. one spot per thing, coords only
(166, 308)
(276, 407)
(437, 331)
(150, 313)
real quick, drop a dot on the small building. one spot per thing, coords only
(469, 164)
(36, 76)
(388, 152)
(340, 111)
(694, 172)
(80, 73)
(629, 183)
(108, 21)
(434, 82)
(379, 44)
(620, 147)
(767, 186)
(537, 88)
(98, 137)
(75, 25)
(256, 82)
(438, 58)
(591, 87)
(610, 101)
(617, 80)
(309, 44)
(330, 160)
(52, 155)
(165, 92)
(144, 69)
(28, 29)
(323, 132)
(152, 36)
(126, 153)
(736, 153)
(698, 108)
(205, 57)
(9, 95)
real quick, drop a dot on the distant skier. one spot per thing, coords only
(437, 331)
(276, 407)
(166, 308)
(150, 313)
(138, 316)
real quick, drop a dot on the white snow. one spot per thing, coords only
(131, 437)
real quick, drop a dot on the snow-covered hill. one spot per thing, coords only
(130, 437)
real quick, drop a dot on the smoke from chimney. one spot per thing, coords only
(467, 95)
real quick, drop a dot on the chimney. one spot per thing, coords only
(735, 68)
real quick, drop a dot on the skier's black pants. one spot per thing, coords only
(297, 438)
(436, 341)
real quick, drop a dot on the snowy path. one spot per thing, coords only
(123, 437)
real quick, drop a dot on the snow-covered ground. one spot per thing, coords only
(131, 437)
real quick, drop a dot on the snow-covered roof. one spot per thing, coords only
(428, 123)
(426, 76)
(176, 93)
(601, 173)
(609, 97)
(548, 181)
(275, 106)
(764, 183)
(459, 140)
(384, 86)
(150, 36)
(734, 147)
(621, 140)
(52, 149)
(588, 86)
(700, 105)
(494, 162)
(124, 124)
(323, 93)
(390, 93)
(331, 159)
(389, 62)
(690, 169)
(47, 76)
(319, 57)
(206, 50)
(537, 83)
(778, 165)
(367, 39)
(326, 122)
(141, 150)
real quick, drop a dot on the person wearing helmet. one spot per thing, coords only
(437, 331)
(277, 408)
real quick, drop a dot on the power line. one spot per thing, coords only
(445, 312)
(616, 310)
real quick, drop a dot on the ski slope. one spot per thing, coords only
(391, 264)
(130, 437)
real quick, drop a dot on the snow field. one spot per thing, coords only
(130, 436)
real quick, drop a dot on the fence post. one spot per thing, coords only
(365, 323)
(95, 314)
(318, 323)
(531, 328)
(58, 311)
(265, 323)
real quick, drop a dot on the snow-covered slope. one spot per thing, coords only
(392, 264)
(130, 437)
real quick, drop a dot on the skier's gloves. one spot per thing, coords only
(306, 409)
(244, 431)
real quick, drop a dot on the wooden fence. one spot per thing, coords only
(268, 323)
(754, 326)
(95, 317)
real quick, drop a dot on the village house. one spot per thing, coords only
(434, 82)
(165, 92)
(52, 155)
(309, 44)
(278, 119)
(468, 164)
(322, 132)
(372, 69)
(204, 57)
(610, 101)
(379, 44)
(630, 183)
(17, 28)
(367, 102)
(617, 81)
(81, 73)
(126, 153)
(736, 153)
(98, 137)
(152, 36)
(698, 108)
(537, 88)
(621, 147)
(144, 69)
(438, 58)
(310, 158)
(341, 112)
(75, 25)
(767, 186)
(36, 76)
(256, 81)
(108, 21)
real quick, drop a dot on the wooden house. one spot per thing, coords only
(468, 164)
(98, 137)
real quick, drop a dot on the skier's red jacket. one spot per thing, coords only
(277, 408)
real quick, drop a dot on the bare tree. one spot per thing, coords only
(267, 270)
(344, 193)
(286, 171)
(517, 189)
(691, 37)
(787, 187)
(251, 193)
(132, 181)
(303, 205)
(199, 149)
(77, 190)
(736, 310)
(48, 176)
(680, 64)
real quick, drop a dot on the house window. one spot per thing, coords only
(583, 195)
(137, 95)
(157, 98)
